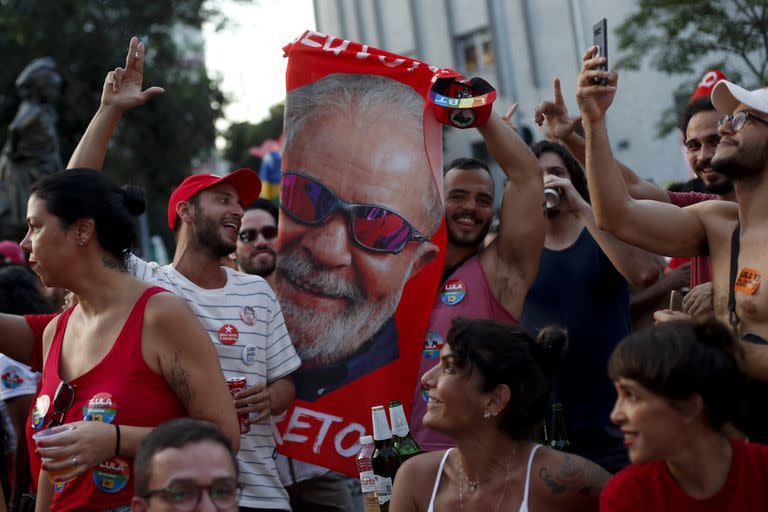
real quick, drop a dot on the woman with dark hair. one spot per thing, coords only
(678, 383)
(488, 393)
(126, 358)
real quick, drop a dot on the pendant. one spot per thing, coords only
(472, 486)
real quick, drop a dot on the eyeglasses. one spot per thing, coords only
(62, 402)
(185, 495)
(250, 235)
(739, 119)
(373, 227)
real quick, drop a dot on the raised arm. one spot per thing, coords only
(515, 253)
(558, 125)
(121, 92)
(657, 227)
(636, 265)
(16, 337)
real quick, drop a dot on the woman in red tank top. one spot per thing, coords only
(126, 358)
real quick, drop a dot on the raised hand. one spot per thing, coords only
(122, 87)
(594, 99)
(553, 116)
(507, 118)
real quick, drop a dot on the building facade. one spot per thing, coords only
(519, 46)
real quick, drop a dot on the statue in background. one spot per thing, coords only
(31, 150)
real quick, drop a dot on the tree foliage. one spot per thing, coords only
(690, 37)
(243, 136)
(154, 145)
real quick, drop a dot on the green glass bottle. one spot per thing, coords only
(404, 443)
(385, 460)
(558, 435)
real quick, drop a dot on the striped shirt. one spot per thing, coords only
(246, 325)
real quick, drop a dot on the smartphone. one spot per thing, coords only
(600, 39)
(676, 301)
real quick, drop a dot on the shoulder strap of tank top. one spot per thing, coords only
(524, 504)
(450, 270)
(58, 336)
(431, 507)
(733, 317)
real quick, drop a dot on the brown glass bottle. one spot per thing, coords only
(558, 438)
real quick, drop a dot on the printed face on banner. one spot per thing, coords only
(358, 208)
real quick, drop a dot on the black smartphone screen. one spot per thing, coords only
(600, 39)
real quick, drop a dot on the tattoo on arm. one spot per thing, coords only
(178, 379)
(555, 487)
(581, 475)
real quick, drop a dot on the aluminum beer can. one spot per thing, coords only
(237, 384)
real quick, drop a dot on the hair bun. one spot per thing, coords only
(134, 199)
(715, 334)
(551, 346)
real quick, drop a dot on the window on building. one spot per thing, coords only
(476, 50)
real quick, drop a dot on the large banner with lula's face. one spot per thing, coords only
(361, 238)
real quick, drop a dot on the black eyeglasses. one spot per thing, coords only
(373, 227)
(250, 235)
(739, 119)
(185, 495)
(62, 402)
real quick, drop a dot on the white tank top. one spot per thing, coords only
(523, 505)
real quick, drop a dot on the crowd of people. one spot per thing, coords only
(664, 417)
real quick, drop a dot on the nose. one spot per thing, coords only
(26, 244)
(725, 128)
(206, 503)
(237, 209)
(429, 378)
(617, 414)
(329, 243)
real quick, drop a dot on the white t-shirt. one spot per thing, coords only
(17, 378)
(246, 325)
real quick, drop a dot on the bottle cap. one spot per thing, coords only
(381, 429)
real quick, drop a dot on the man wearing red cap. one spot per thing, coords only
(732, 233)
(239, 311)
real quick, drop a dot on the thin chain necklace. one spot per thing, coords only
(473, 484)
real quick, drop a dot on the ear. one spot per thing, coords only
(185, 211)
(427, 252)
(691, 408)
(498, 399)
(84, 230)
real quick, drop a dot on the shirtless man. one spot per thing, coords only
(741, 155)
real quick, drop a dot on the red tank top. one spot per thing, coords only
(120, 389)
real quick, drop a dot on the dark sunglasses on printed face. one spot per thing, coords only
(373, 227)
(250, 235)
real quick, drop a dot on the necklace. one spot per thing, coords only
(472, 484)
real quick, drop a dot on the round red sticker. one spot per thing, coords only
(228, 334)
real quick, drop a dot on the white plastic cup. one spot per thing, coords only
(50, 433)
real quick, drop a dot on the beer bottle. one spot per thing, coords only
(558, 435)
(385, 460)
(404, 443)
(541, 436)
(367, 478)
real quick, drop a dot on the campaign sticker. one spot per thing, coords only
(12, 377)
(425, 394)
(453, 292)
(747, 282)
(249, 354)
(248, 315)
(42, 404)
(111, 476)
(433, 342)
(100, 408)
(228, 334)
(59, 486)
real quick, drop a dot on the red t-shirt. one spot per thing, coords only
(701, 266)
(650, 487)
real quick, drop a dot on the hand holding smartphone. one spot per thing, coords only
(600, 39)
(676, 301)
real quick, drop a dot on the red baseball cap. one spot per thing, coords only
(11, 253)
(246, 183)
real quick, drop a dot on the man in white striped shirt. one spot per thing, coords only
(239, 311)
